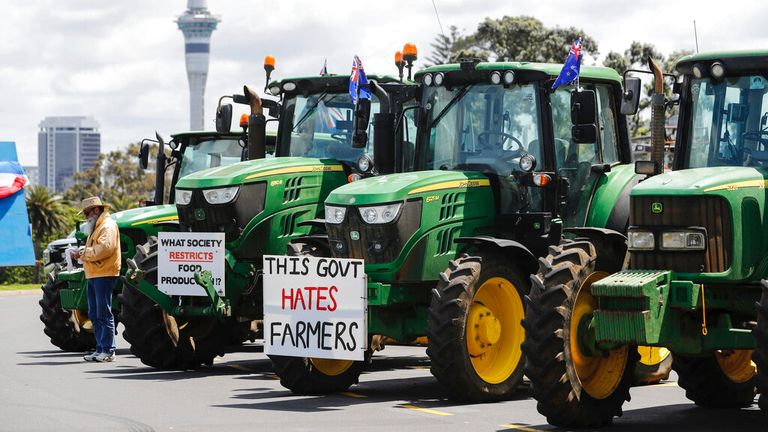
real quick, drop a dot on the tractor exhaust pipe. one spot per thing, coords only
(658, 134)
(257, 126)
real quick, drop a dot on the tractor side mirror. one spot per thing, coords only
(631, 98)
(583, 107)
(273, 107)
(584, 117)
(144, 156)
(362, 115)
(224, 118)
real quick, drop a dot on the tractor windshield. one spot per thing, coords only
(321, 126)
(210, 154)
(482, 127)
(728, 122)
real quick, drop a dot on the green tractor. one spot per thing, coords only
(261, 206)
(502, 167)
(697, 263)
(64, 302)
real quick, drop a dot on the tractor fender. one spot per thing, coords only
(610, 245)
(522, 256)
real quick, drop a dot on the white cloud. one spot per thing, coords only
(123, 62)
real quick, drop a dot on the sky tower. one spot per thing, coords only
(197, 24)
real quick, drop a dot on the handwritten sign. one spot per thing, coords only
(315, 307)
(180, 254)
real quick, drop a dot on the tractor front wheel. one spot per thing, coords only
(64, 327)
(654, 365)
(474, 328)
(576, 383)
(314, 376)
(723, 379)
(161, 340)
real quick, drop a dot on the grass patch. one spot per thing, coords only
(13, 287)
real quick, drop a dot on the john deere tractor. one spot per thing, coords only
(697, 263)
(260, 206)
(503, 166)
(64, 303)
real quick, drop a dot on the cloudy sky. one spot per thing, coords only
(123, 62)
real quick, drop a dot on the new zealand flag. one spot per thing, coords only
(570, 71)
(358, 82)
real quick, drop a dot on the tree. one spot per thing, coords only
(48, 216)
(443, 47)
(116, 178)
(523, 38)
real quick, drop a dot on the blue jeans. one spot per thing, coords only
(100, 312)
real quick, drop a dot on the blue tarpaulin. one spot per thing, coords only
(16, 244)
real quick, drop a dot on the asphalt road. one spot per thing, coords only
(42, 388)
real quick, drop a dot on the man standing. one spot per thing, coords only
(101, 262)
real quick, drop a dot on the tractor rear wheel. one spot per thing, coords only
(312, 376)
(64, 327)
(474, 329)
(760, 355)
(575, 385)
(723, 379)
(161, 340)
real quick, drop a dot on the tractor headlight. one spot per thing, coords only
(183, 197)
(46, 256)
(427, 80)
(335, 215)
(683, 240)
(220, 195)
(380, 214)
(641, 240)
(439, 78)
(364, 164)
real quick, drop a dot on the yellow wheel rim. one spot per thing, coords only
(493, 331)
(652, 356)
(737, 365)
(81, 320)
(331, 367)
(600, 373)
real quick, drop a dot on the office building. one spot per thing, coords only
(66, 145)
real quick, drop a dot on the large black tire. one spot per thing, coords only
(708, 386)
(563, 396)
(760, 354)
(307, 376)
(60, 324)
(155, 337)
(471, 367)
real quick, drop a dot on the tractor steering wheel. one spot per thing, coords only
(482, 137)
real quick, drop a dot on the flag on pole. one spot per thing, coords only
(358, 82)
(324, 70)
(572, 66)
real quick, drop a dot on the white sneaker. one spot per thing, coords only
(105, 357)
(90, 357)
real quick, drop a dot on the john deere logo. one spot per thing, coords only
(199, 214)
(354, 235)
(657, 208)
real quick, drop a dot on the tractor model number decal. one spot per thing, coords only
(432, 198)
(275, 182)
(463, 184)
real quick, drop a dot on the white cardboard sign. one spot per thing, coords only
(315, 307)
(180, 254)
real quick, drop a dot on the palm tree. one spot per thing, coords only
(48, 216)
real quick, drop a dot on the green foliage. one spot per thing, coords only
(16, 276)
(116, 178)
(442, 47)
(520, 38)
(48, 215)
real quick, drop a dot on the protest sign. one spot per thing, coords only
(315, 307)
(180, 254)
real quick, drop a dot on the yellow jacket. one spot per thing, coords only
(101, 256)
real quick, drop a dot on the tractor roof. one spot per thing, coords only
(747, 60)
(188, 134)
(529, 69)
(318, 83)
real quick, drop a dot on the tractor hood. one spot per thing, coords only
(255, 170)
(397, 187)
(699, 181)
(146, 216)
